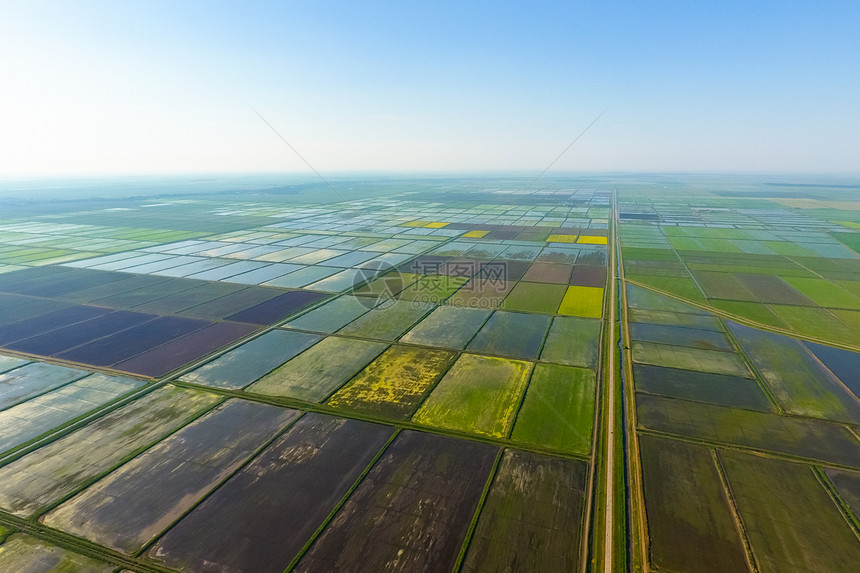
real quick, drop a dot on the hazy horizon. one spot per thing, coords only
(304, 187)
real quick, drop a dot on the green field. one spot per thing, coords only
(558, 411)
(573, 341)
(799, 382)
(795, 436)
(693, 359)
(320, 370)
(479, 394)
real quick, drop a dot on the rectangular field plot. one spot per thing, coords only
(337, 282)
(643, 299)
(512, 334)
(55, 282)
(133, 341)
(412, 509)
(572, 341)
(481, 293)
(203, 292)
(690, 524)
(825, 293)
(534, 297)
(127, 292)
(433, 289)
(520, 253)
(249, 362)
(264, 274)
(51, 472)
(788, 435)
(556, 273)
(719, 389)
(34, 417)
(333, 315)
(698, 321)
(389, 285)
(723, 285)
(447, 327)
(133, 291)
(320, 370)
(228, 304)
(773, 289)
(792, 522)
(533, 517)
(277, 308)
(20, 281)
(501, 270)
(224, 272)
(558, 254)
(817, 323)
(393, 384)
(588, 276)
(754, 311)
(303, 277)
(558, 410)
(678, 286)
(140, 343)
(185, 349)
(680, 336)
(30, 380)
(387, 321)
(479, 394)
(11, 332)
(262, 517)
(23, 553)
(713, 361)
(8, 363)
(196, 267)
(799, 382)
(582, 301)
(131, 505)
(63, 339)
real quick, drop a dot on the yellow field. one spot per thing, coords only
(394, 383)
(582, 301)
(591, 240)
(475, 234)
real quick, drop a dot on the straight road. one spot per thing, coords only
(610, 397)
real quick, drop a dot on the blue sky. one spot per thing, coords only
(170, 87)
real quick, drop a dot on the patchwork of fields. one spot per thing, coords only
(382, 383)
(418, 381)
(744, 410)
